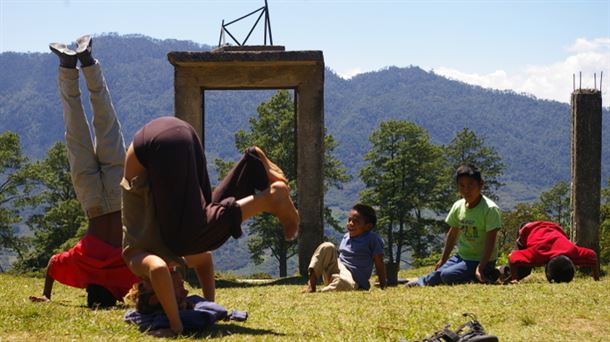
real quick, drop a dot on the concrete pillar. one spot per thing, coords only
(188, 104)
(310, 173)
(586, 166)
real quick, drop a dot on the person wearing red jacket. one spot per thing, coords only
(95, 263)
(543, 243)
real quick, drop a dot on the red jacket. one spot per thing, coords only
(93, 261)
(543, 241)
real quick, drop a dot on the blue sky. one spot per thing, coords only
(527, 46)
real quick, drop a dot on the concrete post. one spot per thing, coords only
(188, 97)
(586, 167)
(310, 167)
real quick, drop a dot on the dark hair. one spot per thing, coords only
(367, 212)
(468, 170)
(99, 297)
(559, 269)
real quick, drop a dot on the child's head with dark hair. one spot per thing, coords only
(367, 212)
(559, 269)
(469, 183)
(468, 170)
(361, 219)
(99, 297)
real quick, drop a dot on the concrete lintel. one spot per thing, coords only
(196, 58)
(241, 48)
(240, 76)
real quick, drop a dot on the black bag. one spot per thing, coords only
(471, 331)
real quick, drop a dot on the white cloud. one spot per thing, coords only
(553, 81)
(346, 75)
(595, 45)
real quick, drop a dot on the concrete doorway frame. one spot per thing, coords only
(266, 68)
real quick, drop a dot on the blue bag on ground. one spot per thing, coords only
(203, 316)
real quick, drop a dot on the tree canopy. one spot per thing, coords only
(13, 185)
(404, 176)
(468, 148)
(57, 218)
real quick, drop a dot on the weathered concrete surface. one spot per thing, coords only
(238, 57)
(303, 71)
(586, 166)
(232, 48)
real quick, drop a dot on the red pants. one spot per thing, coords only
(93, 261)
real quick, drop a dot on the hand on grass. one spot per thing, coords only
(41, 299)
(166, 333)
(308, 289)
(439, 264)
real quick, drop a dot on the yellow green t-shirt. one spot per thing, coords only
(473, 224)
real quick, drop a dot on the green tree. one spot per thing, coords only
(405, 179)
(13, 186)
(555, 205)
(273, 131)
(57, 213)
(512, 221)
(467, 148)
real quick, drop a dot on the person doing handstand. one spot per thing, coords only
(172, 217)
(96, 169)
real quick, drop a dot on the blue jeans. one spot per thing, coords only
(455, 271)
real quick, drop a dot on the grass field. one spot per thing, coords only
(531, 311)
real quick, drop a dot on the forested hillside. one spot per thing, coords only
(532, 136)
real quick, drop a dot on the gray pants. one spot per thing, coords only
(96, 166)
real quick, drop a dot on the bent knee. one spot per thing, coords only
(449, 277)
(327, 246)
(280, 187)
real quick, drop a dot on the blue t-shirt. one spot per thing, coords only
(357, 255)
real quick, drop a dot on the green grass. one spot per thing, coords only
(531, 311)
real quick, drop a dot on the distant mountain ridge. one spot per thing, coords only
(531, 135)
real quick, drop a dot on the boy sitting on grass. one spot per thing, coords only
(358, 251)
(474, 222)
(545, 243)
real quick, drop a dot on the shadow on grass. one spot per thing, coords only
(223, 330)
(67, 304)
(246, 283)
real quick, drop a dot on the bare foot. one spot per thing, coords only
(274, 173)
(41, 299)
(284, 209)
